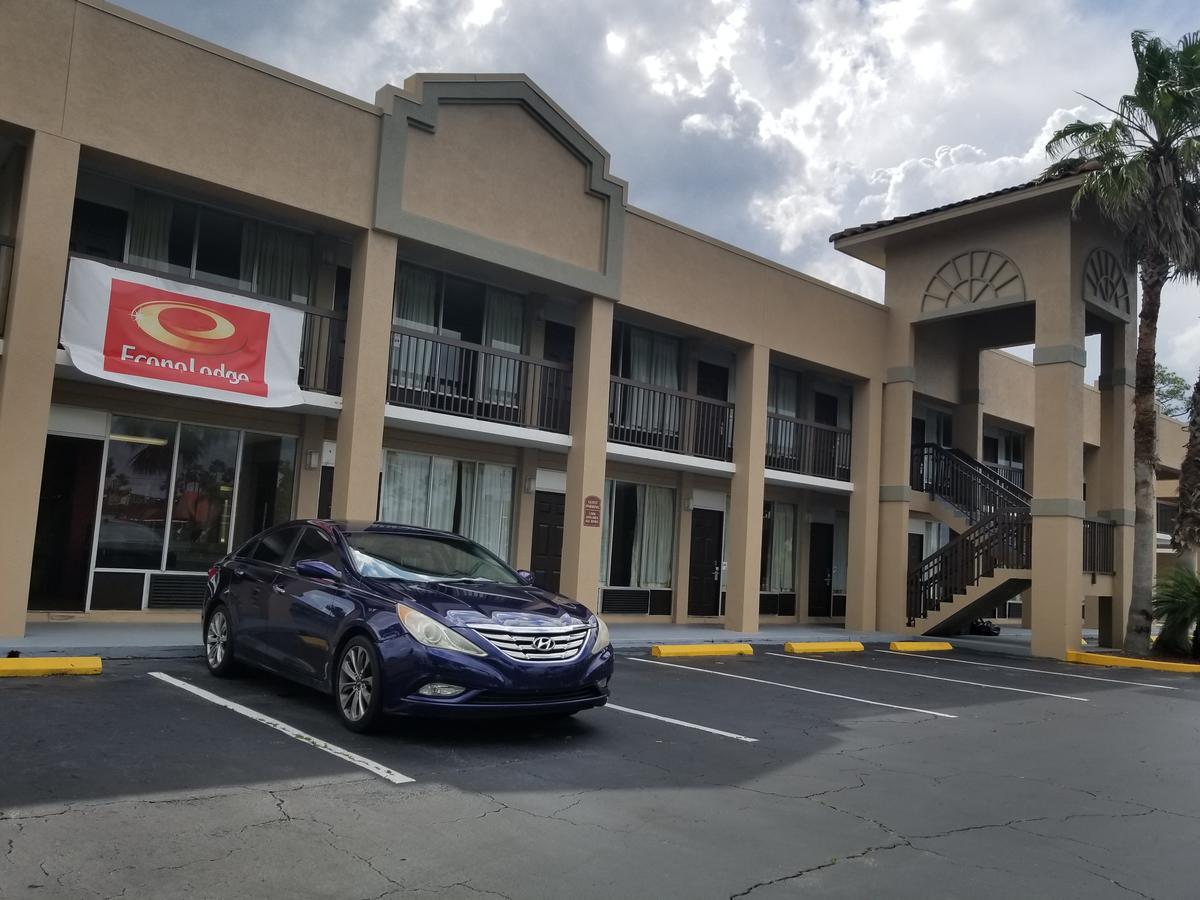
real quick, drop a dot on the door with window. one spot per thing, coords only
(252, 587)
(307, 610)
(704, 572)
(820, 569)
(549, 512)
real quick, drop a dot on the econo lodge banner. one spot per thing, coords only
(164, 335)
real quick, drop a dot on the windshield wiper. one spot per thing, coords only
(458, 580)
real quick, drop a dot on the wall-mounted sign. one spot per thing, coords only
(591, 512)
(179, 338)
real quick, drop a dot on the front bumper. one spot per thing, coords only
(496, 684)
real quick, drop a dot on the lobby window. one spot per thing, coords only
(638, 540)
(474, 499)
(137, 482)
(778, 575)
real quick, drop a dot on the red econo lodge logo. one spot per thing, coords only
(159, 334)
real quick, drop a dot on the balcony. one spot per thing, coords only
(806, 448)
(656, 418)
(1012, 474)
(1098, 550)
(6, 263)
(441, 374)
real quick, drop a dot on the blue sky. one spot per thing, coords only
(766, 123)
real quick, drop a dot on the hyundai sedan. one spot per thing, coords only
(398, 620)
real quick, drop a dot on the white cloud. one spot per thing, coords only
(615, 43)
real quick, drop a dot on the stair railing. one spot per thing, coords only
(970, 487)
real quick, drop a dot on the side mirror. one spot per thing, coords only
(525, 575)
(315, 568)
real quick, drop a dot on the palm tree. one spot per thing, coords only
(1186, 536)
(1141, 170)
(1177, 603)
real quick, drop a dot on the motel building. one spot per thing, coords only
(231, 297)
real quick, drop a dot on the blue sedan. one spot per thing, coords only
(397, 620)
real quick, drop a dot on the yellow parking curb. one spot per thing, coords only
(1129, 662)
(918, 646)
(822, 647)
(32, 666)
(701, 650)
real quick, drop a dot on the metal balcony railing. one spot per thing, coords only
(441, 374)
(1098, 535)
(662, 419)
(1013, 474)
(807, 448)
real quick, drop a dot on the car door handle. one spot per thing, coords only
(240, 573)
(277, 589)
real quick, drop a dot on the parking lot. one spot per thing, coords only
(859, 775)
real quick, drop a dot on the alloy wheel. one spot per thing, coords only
(356, 683)
(217, 639)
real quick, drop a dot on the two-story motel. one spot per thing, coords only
(232, 297)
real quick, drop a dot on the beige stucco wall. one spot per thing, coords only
(101, 78)
(493, 169)
(676, 274)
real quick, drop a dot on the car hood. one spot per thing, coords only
(486, 603)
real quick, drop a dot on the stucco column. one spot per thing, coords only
(863, 552)
(895, 494)
(586, 460)
(27, 364)
(1114, 468)
(308, 488)
(364, 378)
(968, 414)
(1058, 508)
(521, 552)
(744, 576)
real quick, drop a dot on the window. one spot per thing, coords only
(778, 548)
(273, 547)
(1167, 513)
(469, 498)
(98, 230)
(425, 557)
(226, 249)
(783, 391)
(202, 506)
(646, 356)
(137, 478)
(316, 545)
(638, 540)
(825, 409)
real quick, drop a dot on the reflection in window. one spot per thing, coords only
(133, 514)
(203, 505)
(268, 470)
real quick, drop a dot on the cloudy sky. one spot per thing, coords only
(767, 123)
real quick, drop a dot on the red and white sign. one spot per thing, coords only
(164, 335)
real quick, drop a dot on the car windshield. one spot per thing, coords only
(425, 557)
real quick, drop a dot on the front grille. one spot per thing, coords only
(588, 693)
(556, 643)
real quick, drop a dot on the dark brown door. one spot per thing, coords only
(62, 544)
(554, 397)
(820, 569)
(704, 572)
(712, 423)
(548, 516)
(917, 479)
(916, 551)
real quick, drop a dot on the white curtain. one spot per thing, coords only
(656, 526)
(150, 230)
(841, 547)
(492, 514)
(415, 306)
(504, 327)
(782, 399)
(443, 490)
(275, 262)
(653, 360)
(405, 494)
(781, 566)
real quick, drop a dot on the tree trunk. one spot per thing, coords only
(1145, 457)
(1186, 535)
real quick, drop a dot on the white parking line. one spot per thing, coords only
(793, 687)
(353, 758)
(994, 687)
(717, 731)
(969, 662)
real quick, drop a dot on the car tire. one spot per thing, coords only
(218, 642)
(358, 685)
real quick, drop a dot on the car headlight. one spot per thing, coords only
(432, 633)
(602, 638)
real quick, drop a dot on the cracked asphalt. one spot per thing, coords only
(125, 786)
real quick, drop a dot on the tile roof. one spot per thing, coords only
(883, 223)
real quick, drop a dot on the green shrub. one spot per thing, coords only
(1177, 605)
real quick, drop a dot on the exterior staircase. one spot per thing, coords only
(989, 561)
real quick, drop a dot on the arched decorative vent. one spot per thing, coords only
(980, 276)
(1104, 281)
